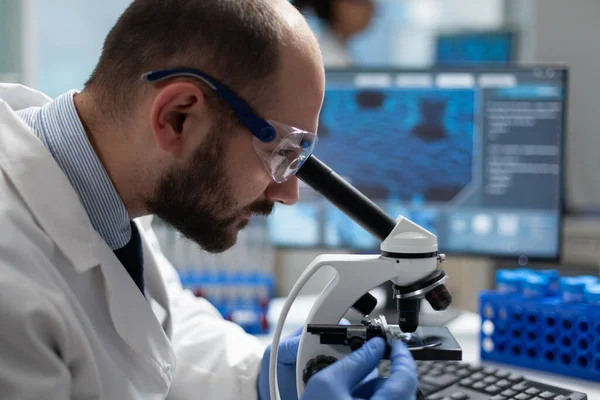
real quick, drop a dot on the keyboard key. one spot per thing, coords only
(498, 397)
(490, 379)
(522, 396)
(519, 387)
(515, 378)
(427, 389)
(547, 395)
(439, 381)
(475, 369)
(539, 398)
(561, 397)
(463, 372)
(533, 390)
(508, 393)
(459, 396)
(466, 382)
(435, 397)
(502, 374)
(477, 376)
(451, 368)
(503, 383)
(493, 389)
(479, 386)
(490, 370)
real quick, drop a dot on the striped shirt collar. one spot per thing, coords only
(58, 126)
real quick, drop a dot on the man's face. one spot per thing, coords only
(199, 201)
(222, 181)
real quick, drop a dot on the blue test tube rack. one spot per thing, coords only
(238, 283)
(544, 331)
(248, 311)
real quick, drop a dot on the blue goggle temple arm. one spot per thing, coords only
(260, 128)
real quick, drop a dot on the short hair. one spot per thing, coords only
(236, 41)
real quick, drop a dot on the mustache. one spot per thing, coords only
(261, 207)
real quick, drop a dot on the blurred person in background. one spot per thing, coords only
(340, 21)
(188, 115)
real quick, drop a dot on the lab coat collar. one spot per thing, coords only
(41, 183)
(36, 176)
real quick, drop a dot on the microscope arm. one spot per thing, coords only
(368, 270)
(355, 274)
(352, 271)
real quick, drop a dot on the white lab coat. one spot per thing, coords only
(73, 325)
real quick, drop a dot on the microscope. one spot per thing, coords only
(409, 258)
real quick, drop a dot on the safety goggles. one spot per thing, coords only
(282, 148)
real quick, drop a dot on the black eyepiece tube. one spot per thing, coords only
(346, 198)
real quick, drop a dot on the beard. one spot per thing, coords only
(196, 199)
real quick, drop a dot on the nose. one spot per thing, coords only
(286, 192)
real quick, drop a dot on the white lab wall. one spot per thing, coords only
(569, 32)
(62, 40)
(10, 62)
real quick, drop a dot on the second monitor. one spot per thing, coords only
(475, 156)
(485, 48)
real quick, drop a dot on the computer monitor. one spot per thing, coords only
(475, 48)
(473, 155)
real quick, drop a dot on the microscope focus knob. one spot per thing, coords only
(315, 365)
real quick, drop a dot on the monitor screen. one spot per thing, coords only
(474, 156)
(475, 48)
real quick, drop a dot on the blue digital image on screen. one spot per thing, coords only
(395, 209)
(476, 48)
(400, 145)
(341, 231)
(296, 225)
(425, 217)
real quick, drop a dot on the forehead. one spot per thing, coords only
(298, 88)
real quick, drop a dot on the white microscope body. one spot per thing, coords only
(356, 275)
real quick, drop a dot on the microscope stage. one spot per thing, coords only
(434, 343)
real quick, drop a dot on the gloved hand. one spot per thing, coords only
(286, 368)
(342, 380)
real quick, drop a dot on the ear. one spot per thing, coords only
(175, 115)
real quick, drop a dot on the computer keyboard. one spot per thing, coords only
(453, 380)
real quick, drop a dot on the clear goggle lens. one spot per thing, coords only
(284, 156)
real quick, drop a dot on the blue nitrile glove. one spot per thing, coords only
(344, 379)
(286, 367)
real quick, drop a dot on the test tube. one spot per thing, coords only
(588, 279)
(535, 286)
(571, 289)
(553, 277)
(524, 271)
(592, 295)
(507, 282)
